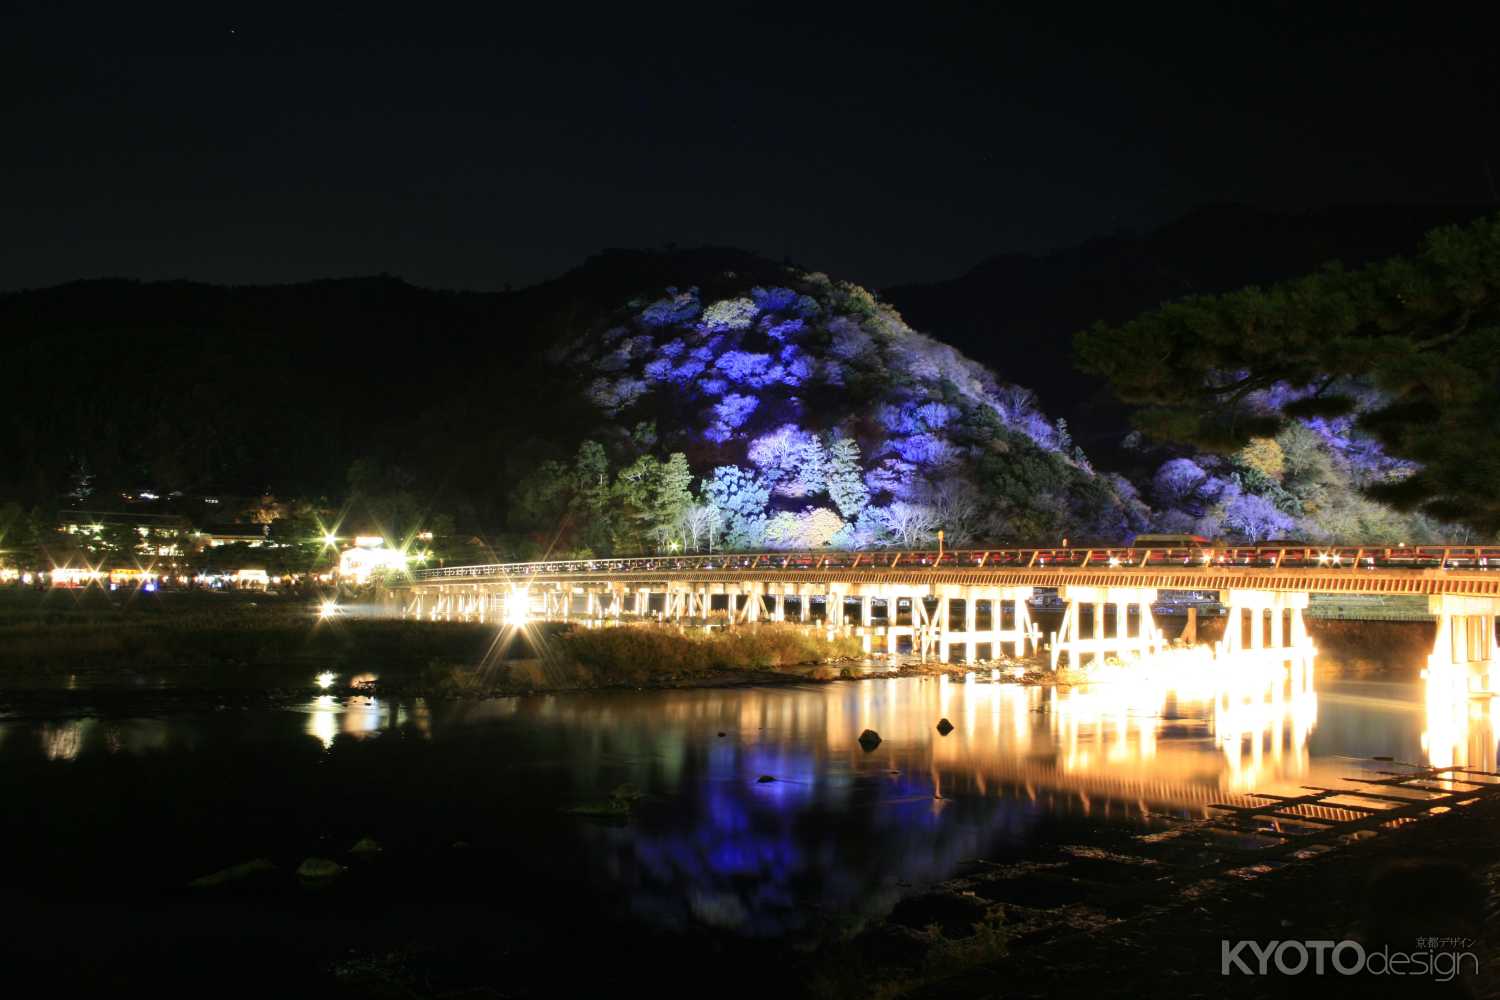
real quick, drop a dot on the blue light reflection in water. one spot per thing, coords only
(837, 837)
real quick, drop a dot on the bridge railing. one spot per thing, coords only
(1352, 558)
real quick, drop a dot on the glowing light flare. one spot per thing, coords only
(74, 576)
(1459, 722)
(518, 608)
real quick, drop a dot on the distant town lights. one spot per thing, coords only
(363, 562)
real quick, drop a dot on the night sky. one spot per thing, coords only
(480, 150)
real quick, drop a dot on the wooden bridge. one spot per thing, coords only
(1106, 593)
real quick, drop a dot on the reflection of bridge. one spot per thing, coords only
(1265, 589)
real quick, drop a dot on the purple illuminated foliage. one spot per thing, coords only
(773, 300)
(675, 308)
(755, 370)
(800, 375)
(849, 341)
(786, 329)
(1255, 519)
(791, 459)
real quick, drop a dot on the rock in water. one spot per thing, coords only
(944, 727)
(319, 870)
(869, 739)
(366, 848)
(764, 779)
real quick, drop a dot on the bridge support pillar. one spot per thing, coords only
(1285, 639)
(923, 625)
(971, 625)
(1022, 630)
(1465, 651)
(1070, 639)
(944, 622)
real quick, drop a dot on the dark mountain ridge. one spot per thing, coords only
(182, 384)
(1017, 313)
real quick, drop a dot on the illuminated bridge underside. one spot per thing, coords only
(1108, 593)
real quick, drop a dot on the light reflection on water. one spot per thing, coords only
(1173, 738)
(1459, 729)
(1187, 728)
(357, 717)
(67, 739)
(840, 830)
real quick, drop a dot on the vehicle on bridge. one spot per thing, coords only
(1173, 542)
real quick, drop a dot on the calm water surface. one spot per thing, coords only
(101, 807)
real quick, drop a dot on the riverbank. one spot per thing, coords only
(265, 648)
(1100, 924)
(262, 647)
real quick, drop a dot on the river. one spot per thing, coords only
(755, 812)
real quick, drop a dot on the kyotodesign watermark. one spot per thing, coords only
(1442, 959)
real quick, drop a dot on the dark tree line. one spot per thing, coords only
(1409, 348)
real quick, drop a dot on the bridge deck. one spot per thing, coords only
(1425, 570)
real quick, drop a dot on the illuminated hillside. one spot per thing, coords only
(805, 413)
